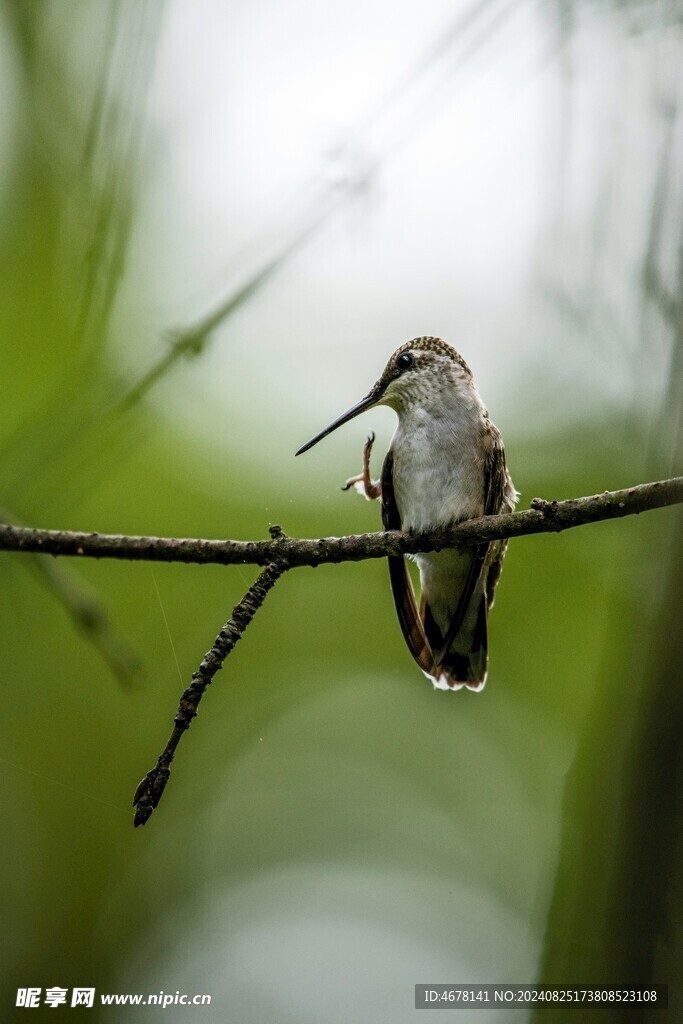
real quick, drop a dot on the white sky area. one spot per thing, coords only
(473, 197)
(267, 946)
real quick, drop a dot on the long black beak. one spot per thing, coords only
(365, 403)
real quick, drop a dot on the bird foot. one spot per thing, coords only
(363, 483)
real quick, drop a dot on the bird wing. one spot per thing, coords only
(495, 479)
(401, 584)
(499, 496)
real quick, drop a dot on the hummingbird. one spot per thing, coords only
(445, 464)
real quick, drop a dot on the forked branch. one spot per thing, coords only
(282, 553)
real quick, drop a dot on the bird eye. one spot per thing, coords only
(405, 360)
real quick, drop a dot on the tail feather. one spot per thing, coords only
(462, 663)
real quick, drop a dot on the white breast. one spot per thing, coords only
(438, 472)
(438, 478)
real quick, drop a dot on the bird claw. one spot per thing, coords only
(370, 489)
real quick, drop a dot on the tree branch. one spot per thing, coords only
(282, 553)
(290, 552)
(151, 788)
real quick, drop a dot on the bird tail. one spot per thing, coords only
(464, 662)
(451, 662)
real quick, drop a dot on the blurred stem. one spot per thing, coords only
(471, 28)
(87, 612)
(192, 341)
(90, 616)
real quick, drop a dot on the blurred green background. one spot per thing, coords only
(216, 222)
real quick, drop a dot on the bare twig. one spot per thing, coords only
(282, 553)
(151, 788)
(290, 552)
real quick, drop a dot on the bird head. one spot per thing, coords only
(417, 372)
